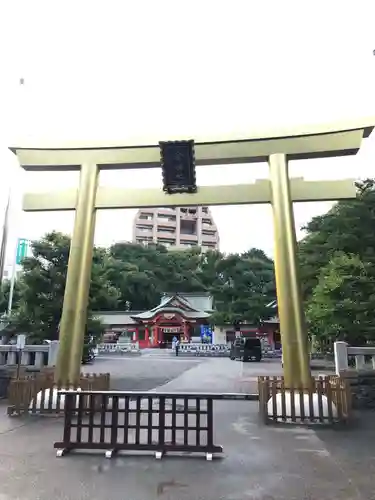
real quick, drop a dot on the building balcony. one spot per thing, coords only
(143, 233)
(166, 235)
(167, 222)
(210, 238)
(188, 237)
(144, 223)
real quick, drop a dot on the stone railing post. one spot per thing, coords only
(25, 358)
(360, 362)
(39, 359)
(341, 357)
(53, 352)
(12, 358)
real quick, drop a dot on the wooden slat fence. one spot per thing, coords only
(326, 401)
(23, 392)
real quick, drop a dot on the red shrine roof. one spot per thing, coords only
(173, 304)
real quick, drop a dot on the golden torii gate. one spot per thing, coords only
(277, 148)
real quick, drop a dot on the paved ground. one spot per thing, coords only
(133, 372)
(260, 463)
(156, 368)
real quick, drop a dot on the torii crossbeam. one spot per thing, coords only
(276, 148)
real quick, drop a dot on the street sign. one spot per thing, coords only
(22, 246)
(21, 341)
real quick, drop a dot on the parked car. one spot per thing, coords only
(246, 349)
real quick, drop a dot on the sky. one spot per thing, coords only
(124, 70)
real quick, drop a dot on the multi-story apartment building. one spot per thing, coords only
(179, 227)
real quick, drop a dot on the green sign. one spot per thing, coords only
(21, 250)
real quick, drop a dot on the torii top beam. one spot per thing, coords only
(316, 141)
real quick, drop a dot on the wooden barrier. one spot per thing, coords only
(141, 421)
(327, 401)
(37, 394)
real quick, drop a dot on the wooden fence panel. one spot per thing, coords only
(39, 394)
(326, 401)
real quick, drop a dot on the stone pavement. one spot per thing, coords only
(259, 463)
(223, 375)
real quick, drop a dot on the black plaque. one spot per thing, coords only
(178, 166)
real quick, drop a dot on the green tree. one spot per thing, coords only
(243, 287)
(141, 274)
(348, 227)
(42, 287)
(183, 271)
(4, 296)
(342, 304)
(133, 277)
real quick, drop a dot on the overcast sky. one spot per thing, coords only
(148, 70)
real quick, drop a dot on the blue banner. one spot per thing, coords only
(206, 334)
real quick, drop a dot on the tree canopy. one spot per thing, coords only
(129, 276)
(343, 302)
(348, 227)
(337, 259)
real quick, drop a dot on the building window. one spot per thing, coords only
(188, 227)
(205, 210)
(145, 240)
(143, 229)
(166, 242)
(146, 216)
(166, 229)
(188, 211)
(166, 217)
(208, 244)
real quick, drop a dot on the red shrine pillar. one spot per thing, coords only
(136, 335)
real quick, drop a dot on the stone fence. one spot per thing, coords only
(120, 348)
(32, 356)
(361, 377)
(362, 356)
(204, 349)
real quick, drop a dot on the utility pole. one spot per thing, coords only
(4, 239)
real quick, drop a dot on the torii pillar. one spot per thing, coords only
(340, 139)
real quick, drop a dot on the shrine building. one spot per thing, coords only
(180, 315)
(177, 315)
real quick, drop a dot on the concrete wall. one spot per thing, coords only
(363, 389)
(32, 356)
